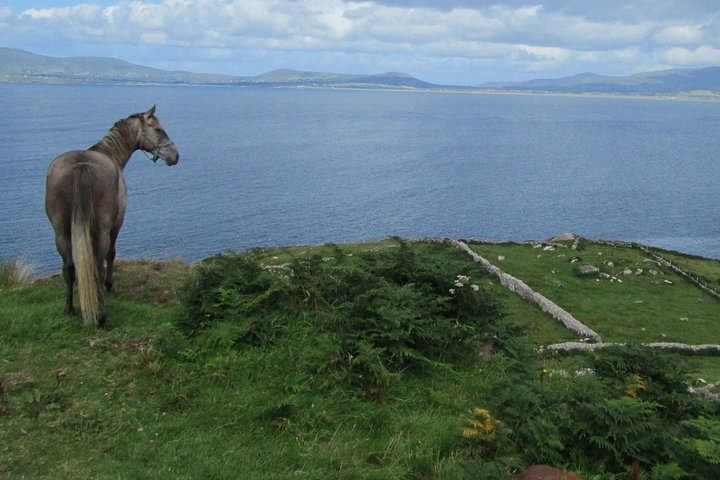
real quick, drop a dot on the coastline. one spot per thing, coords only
(466, 90)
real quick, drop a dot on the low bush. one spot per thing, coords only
(384, 313)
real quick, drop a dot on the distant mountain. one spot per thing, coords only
(699, 82)
(319, 79)
(22, 66)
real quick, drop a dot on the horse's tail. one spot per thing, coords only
(82, 230)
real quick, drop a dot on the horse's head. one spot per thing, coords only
(155, 140)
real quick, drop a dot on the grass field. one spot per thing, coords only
(632, 298)
(149, 400)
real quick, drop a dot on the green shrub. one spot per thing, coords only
(649, 375)
(231, 288)
(384, 312)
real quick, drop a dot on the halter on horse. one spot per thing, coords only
(85, 201)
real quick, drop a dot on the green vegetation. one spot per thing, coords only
(390, 360)
(630, 298)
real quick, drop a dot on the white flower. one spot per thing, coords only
(452, 291)
(475, 287)
(458, 284)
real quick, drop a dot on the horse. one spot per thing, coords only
(85, 201)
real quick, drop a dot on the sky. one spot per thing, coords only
(451, 42)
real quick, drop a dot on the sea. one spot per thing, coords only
(263, 167)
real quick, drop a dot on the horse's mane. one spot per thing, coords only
(120, 139)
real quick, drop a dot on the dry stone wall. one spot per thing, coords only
(519, 287)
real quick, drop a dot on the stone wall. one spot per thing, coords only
(521, 288)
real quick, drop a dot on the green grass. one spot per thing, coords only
(640, 307)
(706, 269)
(145, 401)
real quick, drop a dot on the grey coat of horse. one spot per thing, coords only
(85, 200)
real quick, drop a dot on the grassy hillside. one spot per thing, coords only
(357, 361)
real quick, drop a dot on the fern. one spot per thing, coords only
(707, 445)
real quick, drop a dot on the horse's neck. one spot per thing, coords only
(119, 143)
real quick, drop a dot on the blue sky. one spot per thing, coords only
(459, 42)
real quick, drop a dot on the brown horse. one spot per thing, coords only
(85, 199)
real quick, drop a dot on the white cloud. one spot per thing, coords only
(555, 37)
(703, 55)
(679, 35)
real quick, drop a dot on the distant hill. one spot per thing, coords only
(698, 82)
(21, 66)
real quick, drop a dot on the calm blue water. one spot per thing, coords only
(263, 167)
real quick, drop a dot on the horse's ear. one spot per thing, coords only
(150, 112)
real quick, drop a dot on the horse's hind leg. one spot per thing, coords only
(69, 276)
(105, 250)
(64, 249)
(110, 259)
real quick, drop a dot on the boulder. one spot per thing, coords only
(564, 237)
(545, 472)
(589, 269)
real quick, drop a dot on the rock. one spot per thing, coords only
(564, 237)
(545, 472)
(589, 269)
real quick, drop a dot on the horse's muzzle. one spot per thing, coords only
(171, 158)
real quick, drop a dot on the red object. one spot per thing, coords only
(544, 472)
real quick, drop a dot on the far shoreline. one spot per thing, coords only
(15, 80)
